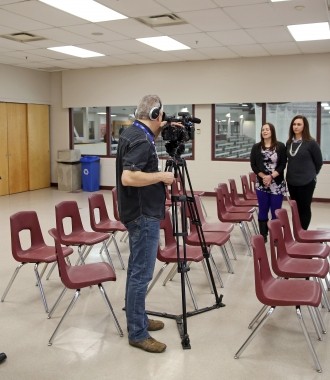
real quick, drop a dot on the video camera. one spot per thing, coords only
(177, 136)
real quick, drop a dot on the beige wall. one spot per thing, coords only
(285, 78)
(20, 85)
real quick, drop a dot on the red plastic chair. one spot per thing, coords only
(116, 212)
(214, 226)
(101, 222)
(234, 217)
(78, 277)
(288, 267)
(169, 254)
(35, 251)
(306, 236)
(211, 239)
(295, 248)
(248, 194)
(236, 200)
(71, 231)
(275, 292)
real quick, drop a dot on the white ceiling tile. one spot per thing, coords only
(282, 48)
(209, 20)
(255, 15)
(249, 50)
(270, 34)
(233, 37)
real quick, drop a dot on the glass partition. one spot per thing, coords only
(235, 129)
(281, 114)
(325, 130)
(123, 116)
(89, 130)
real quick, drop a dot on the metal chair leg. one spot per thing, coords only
(72, 303)
(308, 340)
(107, 301)
(11, 281)
(254, 332)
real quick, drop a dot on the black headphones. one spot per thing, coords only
(155, 112)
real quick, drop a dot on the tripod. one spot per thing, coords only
(181, 201)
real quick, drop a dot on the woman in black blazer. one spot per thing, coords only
(268, 161)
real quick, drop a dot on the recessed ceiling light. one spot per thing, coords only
(310, 32)
(76, 51)
(87, 9)
(163, 43)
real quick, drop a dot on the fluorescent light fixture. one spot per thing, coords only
(87, 9)
(310, 32)
(101, 113)
(327, 108)
(76, 51)
(324, 104)
(163, 43)
(277, 1)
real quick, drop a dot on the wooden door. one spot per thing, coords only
(38, 146)
(4, 185)
(18, 169)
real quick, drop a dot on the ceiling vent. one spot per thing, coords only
(162, 20)
(22, 37)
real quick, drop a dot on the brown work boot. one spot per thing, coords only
(154, 325)
(150, 345)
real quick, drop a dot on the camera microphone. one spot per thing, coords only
(194, 120)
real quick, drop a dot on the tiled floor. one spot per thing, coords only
(89, 347)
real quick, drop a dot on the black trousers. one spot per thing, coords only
(303, 195)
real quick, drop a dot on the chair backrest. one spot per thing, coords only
(262, 274)
(61, 263)
(277, 245)
(296, 224)
(283, 217)
(221, 207)
(115, 204)
(233, 190)
(25, 221)
(98, 212)
(247, 193)
(225, 193)
(252, 181)
(68, 210)
(166, 225)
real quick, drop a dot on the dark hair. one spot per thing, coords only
(305, 132)
(273, 141)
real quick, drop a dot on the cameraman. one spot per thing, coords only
(141, 205)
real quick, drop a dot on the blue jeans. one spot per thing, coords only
(143, 242)
(268, 201)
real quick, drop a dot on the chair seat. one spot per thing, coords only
(240, 209)
(83, 237)
(211, 238)
(308, 250)
(291, 293)
(42, 254)
(193, 253)
(302, 268)
(306, 236)
(217, 226)
(235, 217)
(89, 274)
(244, 202)
(109, 226)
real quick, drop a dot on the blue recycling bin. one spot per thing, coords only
(90, 173)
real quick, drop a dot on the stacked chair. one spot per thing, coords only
(274, 292)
